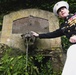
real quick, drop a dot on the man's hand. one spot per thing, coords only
(73, 39)
(34, 34)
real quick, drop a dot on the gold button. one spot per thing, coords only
(68, 30)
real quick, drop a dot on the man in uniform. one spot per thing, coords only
(67, 28)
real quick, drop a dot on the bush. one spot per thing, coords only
(16, 65)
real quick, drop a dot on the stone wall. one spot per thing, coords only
(15, 40)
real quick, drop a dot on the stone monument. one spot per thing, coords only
(16, 23)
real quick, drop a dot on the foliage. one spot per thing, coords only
(16, 65)
(65, 43)
(7, 6)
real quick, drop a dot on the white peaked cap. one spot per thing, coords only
(59, 5)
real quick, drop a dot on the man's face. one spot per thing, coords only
(63, 12)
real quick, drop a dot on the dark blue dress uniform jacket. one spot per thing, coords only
(65, 29)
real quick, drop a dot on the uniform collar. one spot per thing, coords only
(68, 17)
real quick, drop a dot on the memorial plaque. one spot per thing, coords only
(30, 23)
